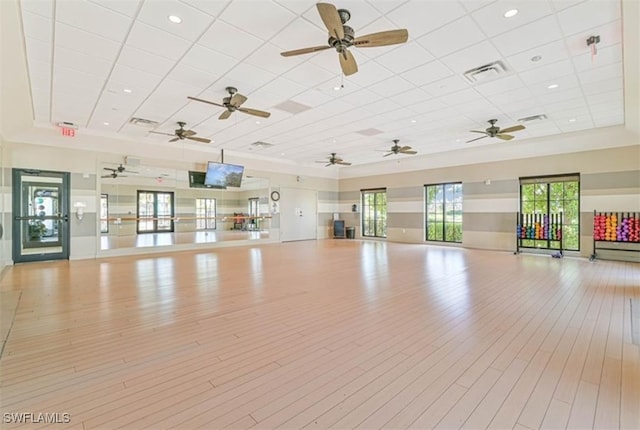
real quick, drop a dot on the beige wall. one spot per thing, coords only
(610, 180)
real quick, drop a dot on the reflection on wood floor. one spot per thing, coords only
(334, 333)
(174, 238)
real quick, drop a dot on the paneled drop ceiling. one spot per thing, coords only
(99, 63)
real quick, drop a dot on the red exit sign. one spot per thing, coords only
(69, 132)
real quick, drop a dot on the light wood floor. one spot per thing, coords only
(330, 334)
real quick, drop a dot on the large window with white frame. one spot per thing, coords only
(155, 211)
(444, 212)
(374, 213)
(205, 214)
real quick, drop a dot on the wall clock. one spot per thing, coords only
(275, 196)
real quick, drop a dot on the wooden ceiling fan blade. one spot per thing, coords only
(187, 133)
(512, 129)
(390, 153)
(328, 164)
(255, 112)
(478, 131)
(175, 139)
(383, 38)
(224, 115)
(348, 63)
(204, 101)
(409, 152)
(404, 148)
(304, 51)
(331, 19)
(504, 136)
(199, 139)
(238, 99)
(478, 138)
(343, 163)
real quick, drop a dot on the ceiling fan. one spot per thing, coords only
(397, 149)
(341, 37)
(495, 131)
(334, 159)
(232, 104)
(116, 172)
(181, 134)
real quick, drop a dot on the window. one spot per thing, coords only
(553, 195)
(155, 211)
(205, 214)
(444, 212)
(254, 208)
(374, 213)
(104, 213)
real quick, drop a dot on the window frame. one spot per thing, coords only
(155, 217)
(375, 192)
(443, 215)
(206, 219)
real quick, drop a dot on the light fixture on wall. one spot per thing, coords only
(79, 206)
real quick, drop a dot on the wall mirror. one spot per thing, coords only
(149, 206)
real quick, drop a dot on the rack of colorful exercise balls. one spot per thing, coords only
(538, 226)
(616, 226)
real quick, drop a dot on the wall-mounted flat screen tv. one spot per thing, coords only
(223, 175)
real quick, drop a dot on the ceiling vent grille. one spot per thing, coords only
(533, 118)
(485, 73)
(292, 107)
(143, 122)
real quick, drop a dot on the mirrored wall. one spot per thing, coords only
(149, 206)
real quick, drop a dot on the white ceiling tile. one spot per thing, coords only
(404, 57)
(43, 8)
(446, 86)
(249, 77)
(546, 96)
(428, 106)
(156, 41)
(564, 83)
(212, 7)
(114, 99)
(82, 62)
(213, 62)
(469, 58)
(125, 7)
(362, 14)
(588, 14)
(262, 19)
(78, 81)
(390, 87)
(363, 97)
(300, 34)
(308, 75)
(565, 106)
(312, 98)
(193, 114)
(492, 21)
(381, 106)
(421, 17)
(610, 84)
(329, 60)
(143, 60)
(189, 75)
(472, 5)
(501, 85)
(88, 43)
(528, 36)
(609, 55)
(512, 97)
(229, 40)
(563, 4)
(410, 97)
(452, 37)
(93, 18)
(548, 72)
(370, 73)
(460, 97)
(550, 53)
(612, 97)
(156, 13)
(40, 76)
(285, 87)
(37, 50)
(588, 77)
(268, 58)
(609, 121)
(427, 73)
(296, 6)
(37, 26)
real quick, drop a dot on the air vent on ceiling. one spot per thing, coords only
(292, 107)
(261, 144)
(486, 72)
(533, 118)
(370, 132)
(143, 122)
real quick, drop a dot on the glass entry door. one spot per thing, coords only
(40, 215)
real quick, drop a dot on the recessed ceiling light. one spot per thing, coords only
(457, 140)
(257, 122)
(572, 120)
(553, 86)
(127, 90)
(511, 13)
(282, 153)
(105, 123)
(536, 58)
(336, 88)
(333, 141)
(413, 121)
(175, 19)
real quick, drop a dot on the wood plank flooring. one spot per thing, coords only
(339, 334)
